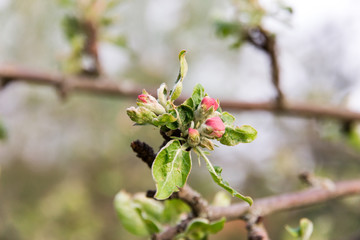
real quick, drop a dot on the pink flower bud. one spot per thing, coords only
(208, 102)
(214, 127)
(194, 137)
(144, 98)
(149, 102)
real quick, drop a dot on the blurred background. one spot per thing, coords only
(63, 161)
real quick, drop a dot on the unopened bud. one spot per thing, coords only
(140, 115)
(206, 108)
(193, 137)
(213, 128)
(149, 102)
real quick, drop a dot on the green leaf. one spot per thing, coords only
(173, 210)
(186, 114)
(198, 94)
(189, 102)
(71, 26)
(129, 215)
(295, 232)
(225, 29)
(200, 228)
(173, 125)
(304, 231)
(228, 119)
(171, 169)
(243, 134)
(154, 209)
(183, 65)
(163, 119)
(175, 93)
(216, 175)
(306, 228)
(177, 89)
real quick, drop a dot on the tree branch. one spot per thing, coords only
(107, 87)
(268, 205)
(266, 41)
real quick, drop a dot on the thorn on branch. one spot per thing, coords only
(144, 152)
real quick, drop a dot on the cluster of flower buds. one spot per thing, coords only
(149, 108)
(209, 124)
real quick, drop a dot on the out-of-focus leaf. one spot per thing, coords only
(200, 228)
(173, 210)
(171, 169)
(129, 215)
(71, 26)
(306, 227)
(304, 231)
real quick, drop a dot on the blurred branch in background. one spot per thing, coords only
(105, 86)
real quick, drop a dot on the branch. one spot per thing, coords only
(107, 87)
(266, 41)
(268, 205)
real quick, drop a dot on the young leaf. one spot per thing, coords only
(228, 119)
(200, 228)
(183, 65)
(154, 209)
(189, 102)
(197, 95)
(216, 175)
(163, 119)
(173, 210)
(243, 134)
(186, 114)
(306, 228)
(171, 169)
(129, 215)
(295, 232)
(176, 91)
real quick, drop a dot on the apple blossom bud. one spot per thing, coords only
(140, 115)
(149, 102)
(208, 102)
(206, 108)
(213, 128)
(193, 138)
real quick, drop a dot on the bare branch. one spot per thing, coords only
(197, 203)
(269, 205)
(266, 41)
(107, 87)
(256, 228)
